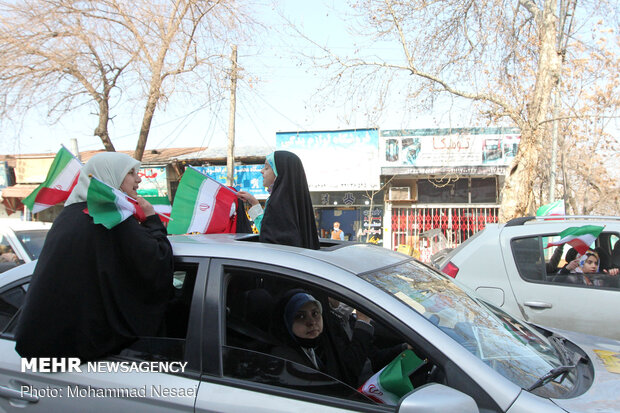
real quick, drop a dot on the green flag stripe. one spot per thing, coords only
(184, 201)
(101, 202)
(395, 377)
(593, 230)
(62, 158)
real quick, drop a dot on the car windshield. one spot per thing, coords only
(516, 351)
(32, 241)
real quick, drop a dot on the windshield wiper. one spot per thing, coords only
(552, 374)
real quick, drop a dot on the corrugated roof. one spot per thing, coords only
(249, 154)
(151, 156)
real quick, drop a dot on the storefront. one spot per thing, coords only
(444, 184)
(359, 220)
(342, 168)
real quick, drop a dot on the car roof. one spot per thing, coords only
(356, 258)
(19, 225)
(562, 219)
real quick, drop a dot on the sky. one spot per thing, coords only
(280, 99)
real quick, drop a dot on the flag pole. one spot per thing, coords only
(219, 183)
(134, 200)
(74, 157)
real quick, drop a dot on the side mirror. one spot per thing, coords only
(437, 398)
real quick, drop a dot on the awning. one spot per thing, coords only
(12, 196)
(20, 191)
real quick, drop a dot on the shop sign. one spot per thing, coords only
(446, 148)
(345, 160)
(445, 170)
(373, 224)
(247, 178)
(154, 182)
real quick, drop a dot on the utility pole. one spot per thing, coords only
(230, 159)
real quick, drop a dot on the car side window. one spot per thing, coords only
(536, 261)
(256, 348)
(170, 344)
(528, 258)
(11, 301)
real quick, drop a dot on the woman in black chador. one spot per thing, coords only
(288, 217)
(94, 290)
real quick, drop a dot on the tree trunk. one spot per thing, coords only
(517, 195)
(102, 127)
(149, 112)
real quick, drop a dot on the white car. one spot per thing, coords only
(509, 266)
(20, 241)
(476, 356)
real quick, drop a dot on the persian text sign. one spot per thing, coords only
(449, 147)
(336, 160)
(247, 178)
(154, 182)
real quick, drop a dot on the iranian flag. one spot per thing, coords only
(202, 205)
(554, 208)
(109, 206)
(392, 382)
(162, 206)
(60, 180)
(579, 238)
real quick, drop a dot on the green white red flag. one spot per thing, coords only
(61, 178)
(109, 206)
(202, 205)
(162, 206)
(579, 238)
(392, 382)
(554, 208)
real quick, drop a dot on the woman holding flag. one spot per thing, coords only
(288, 217)
(103, 278)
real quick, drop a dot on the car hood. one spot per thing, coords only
(604, 394)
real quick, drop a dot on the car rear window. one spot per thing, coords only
(32, 241)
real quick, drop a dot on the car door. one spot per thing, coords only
(549, 299)
(129, 381)
(239, 372)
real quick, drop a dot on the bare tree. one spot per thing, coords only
(501, 56)
(175, 38)
(51, 55)
(165, 47)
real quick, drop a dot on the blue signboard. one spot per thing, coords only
(247, 178)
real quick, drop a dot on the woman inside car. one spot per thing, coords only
(95, 290)
(313, 339)
(586, 264)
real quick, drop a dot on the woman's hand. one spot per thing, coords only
(573, 264)
(612, 271)
(247, 197)
(146, 206)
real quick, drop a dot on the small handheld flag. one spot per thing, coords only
(109, 206)
(579, 238)
(554, 208)
(392, 382)
(202, 205)
(59, 182)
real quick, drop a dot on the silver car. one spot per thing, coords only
(20, 241)
(510, 266)
(476, 356)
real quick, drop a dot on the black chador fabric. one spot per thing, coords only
(95, 290)
(289, 216)
(243, 223)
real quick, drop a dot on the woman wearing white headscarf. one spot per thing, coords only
(95, 290)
